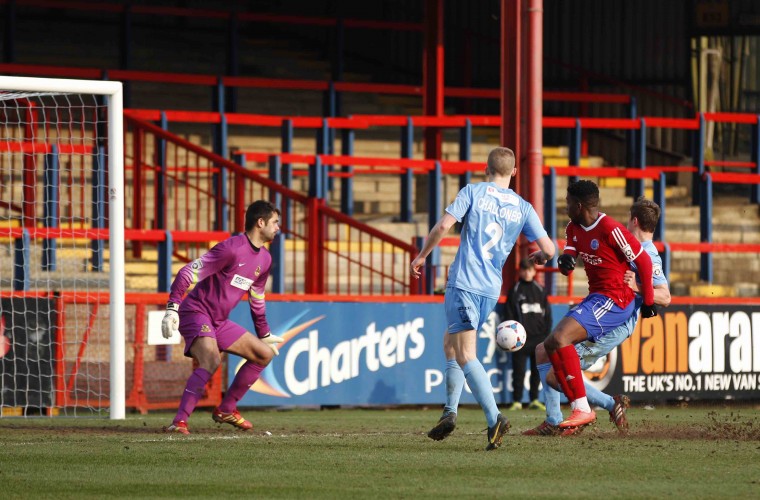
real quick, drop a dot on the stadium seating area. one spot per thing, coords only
(180, 98)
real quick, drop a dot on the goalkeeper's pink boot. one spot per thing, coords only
(178, 428)
(234, 419)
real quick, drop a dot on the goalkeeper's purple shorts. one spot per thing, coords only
(193, 325)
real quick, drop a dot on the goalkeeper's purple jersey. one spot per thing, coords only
(222, 275)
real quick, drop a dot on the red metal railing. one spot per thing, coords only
(313, 231)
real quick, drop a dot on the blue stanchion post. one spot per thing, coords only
(324, 147)
(699, 160)
(51, 209)
(220, 178)
(239, 158)
(316, 190)
(220, 136)
(217, 99)
(330, 109)
(637, 185)
(465, 151)
(163, 172)
(287, 147)
(631, 150)
(287, 168)
(329, 100)
(576, 134)
(165, 252)
(99, 207)
(435, 195)
(22, 262)
(407, 178)
(277, 250)
(347, 182)
(705, 229)
(275, 174)
(658, 193)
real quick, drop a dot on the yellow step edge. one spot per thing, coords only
(712, 291)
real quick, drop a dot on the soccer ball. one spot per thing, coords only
(510, 336)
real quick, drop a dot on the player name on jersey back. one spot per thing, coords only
(495, 208)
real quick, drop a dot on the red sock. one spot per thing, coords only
(560, 375)
(572, 367)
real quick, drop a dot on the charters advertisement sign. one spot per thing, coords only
(341, 353)
(361, 354)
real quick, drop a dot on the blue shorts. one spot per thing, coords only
(589, 352)
(599, 315)
(466, 310)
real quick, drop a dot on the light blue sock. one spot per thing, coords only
(481, 388)
(598, 398)
(551, 396)
(454, 385)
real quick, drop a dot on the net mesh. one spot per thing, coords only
(54, 332)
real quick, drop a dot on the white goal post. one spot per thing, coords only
(16, 89)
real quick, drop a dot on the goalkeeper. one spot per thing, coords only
(237, 265)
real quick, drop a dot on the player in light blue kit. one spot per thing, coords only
(493, 217)
(644, 215)
(236, 266)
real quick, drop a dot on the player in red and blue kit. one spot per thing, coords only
(642, 222)
(606, 248)
(233, 267)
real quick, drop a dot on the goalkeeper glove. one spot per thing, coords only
(566, 263)
(272, 341)
(648, 311)
(170, 323)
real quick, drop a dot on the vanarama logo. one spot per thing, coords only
(309, 365)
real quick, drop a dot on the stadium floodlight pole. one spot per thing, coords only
(113, 91)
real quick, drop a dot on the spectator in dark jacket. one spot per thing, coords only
(527, 304)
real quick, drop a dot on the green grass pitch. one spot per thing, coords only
(671, 451)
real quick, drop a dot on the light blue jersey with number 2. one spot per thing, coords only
(493, 219)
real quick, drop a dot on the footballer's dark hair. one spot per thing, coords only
(647, 212)
(587, 192)
(260, 209)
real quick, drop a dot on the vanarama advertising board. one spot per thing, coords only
(360, 353)
(699, 351)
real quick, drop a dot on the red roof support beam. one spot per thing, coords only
(535, 53)
(511, 100)
(432, 74)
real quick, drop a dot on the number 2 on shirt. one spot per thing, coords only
(495, 230)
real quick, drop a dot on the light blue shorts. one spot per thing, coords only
(466, 310)
(589, 351)
(600, 315)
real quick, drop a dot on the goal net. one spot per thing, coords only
(62, 313)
